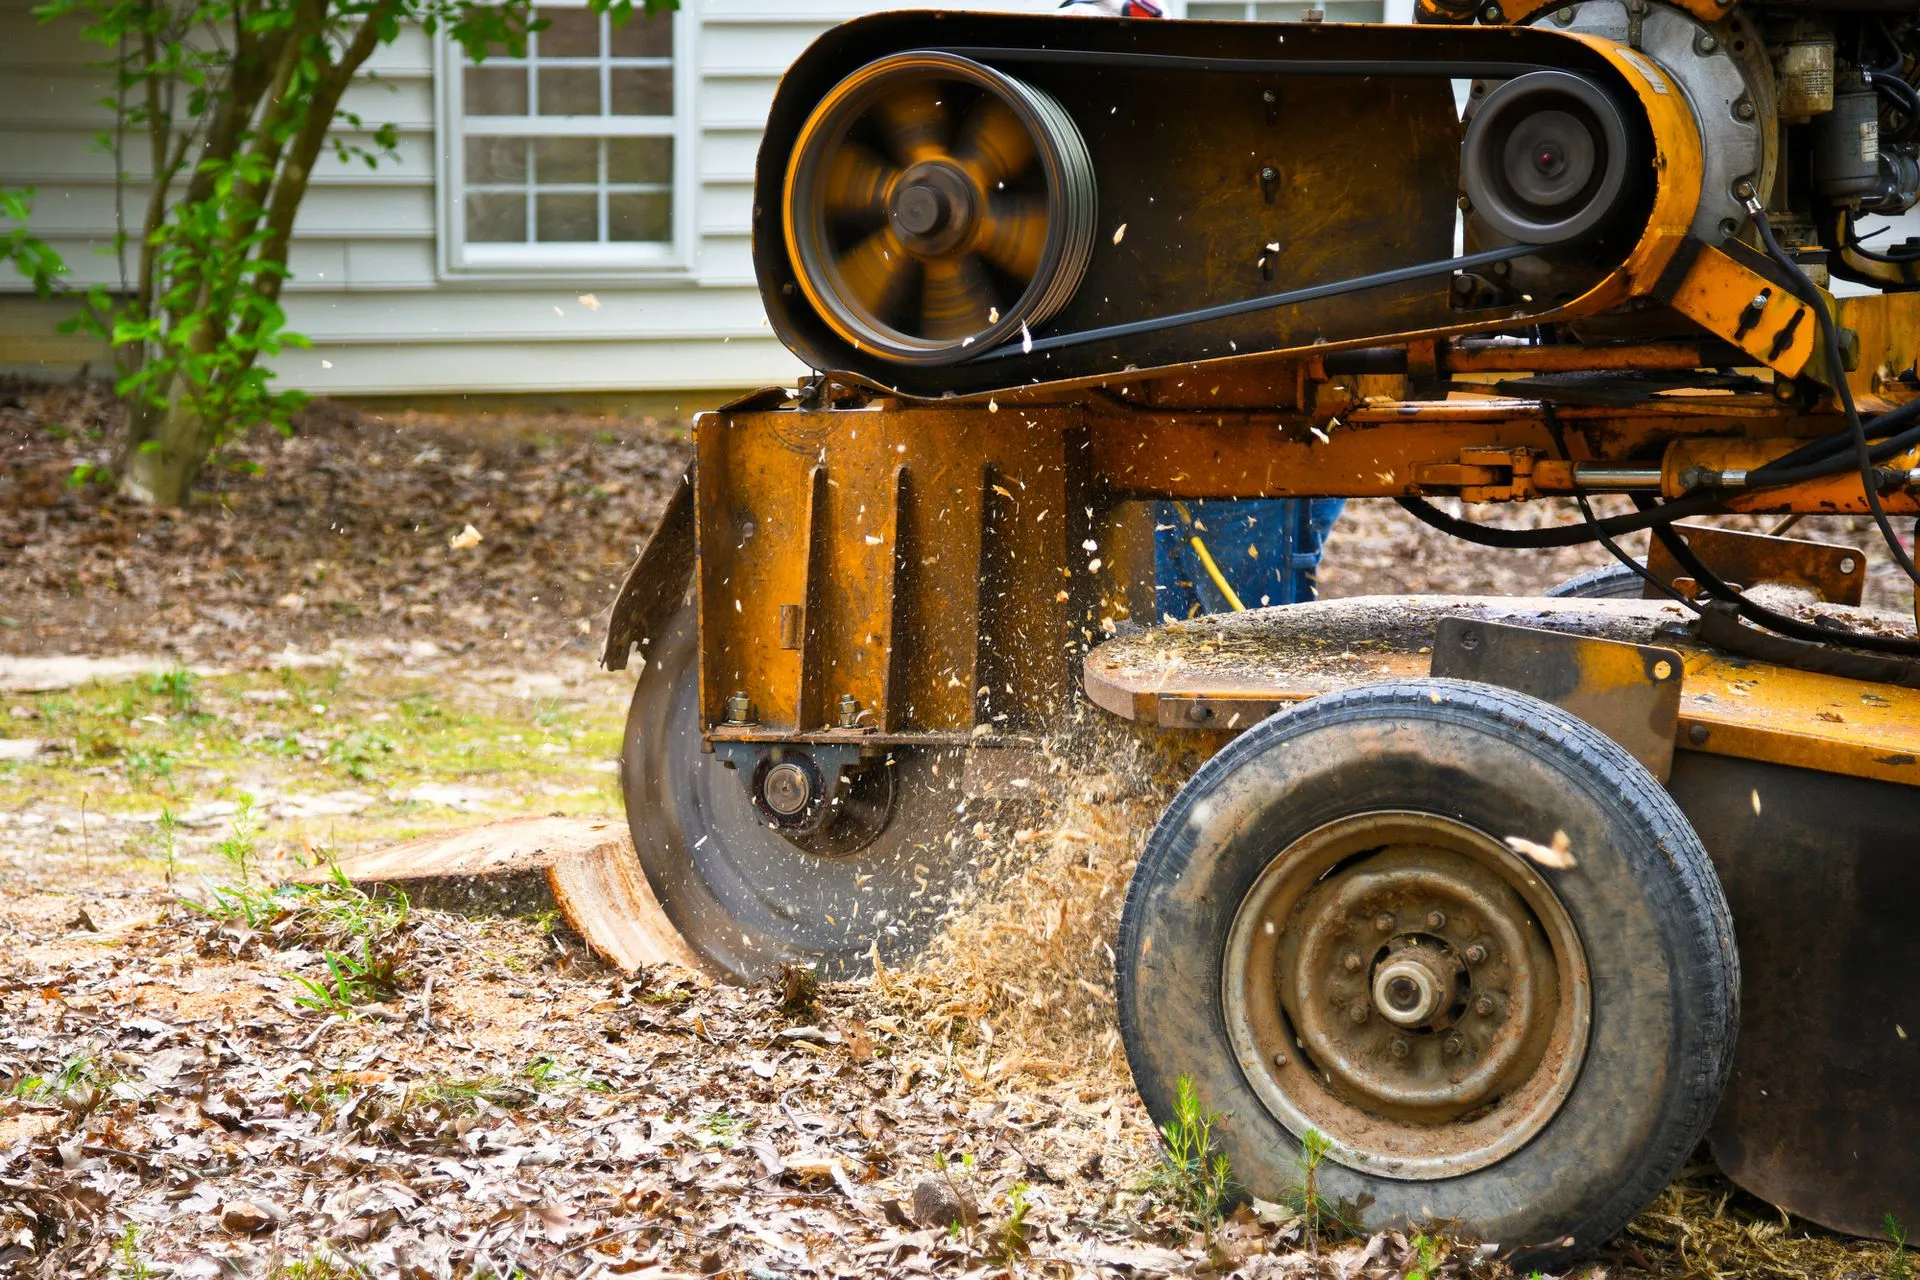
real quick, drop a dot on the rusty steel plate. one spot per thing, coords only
(1728, 706)
(1630, 692)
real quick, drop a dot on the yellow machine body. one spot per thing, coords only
(934, 552)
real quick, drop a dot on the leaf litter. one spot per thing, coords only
(500, 1104)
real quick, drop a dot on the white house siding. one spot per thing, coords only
(369, 283)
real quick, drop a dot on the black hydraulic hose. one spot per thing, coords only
(1614, 549)
(1569, 535)
(1830, 338)
(1713, 585)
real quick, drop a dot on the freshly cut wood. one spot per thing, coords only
(583, 868)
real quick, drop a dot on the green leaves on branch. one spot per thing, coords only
(221, 109)
(25, 252)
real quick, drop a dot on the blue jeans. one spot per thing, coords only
(1267, 549)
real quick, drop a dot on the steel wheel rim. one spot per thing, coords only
(934, 207)
(1458, 1090)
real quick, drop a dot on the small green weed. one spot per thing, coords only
(1899, 1266)
(1427, 1255)
(1193, 1177)
(350, 980)
(1304, 1197)
(238, 846)
(79, 1077)
(128, 1264)
(169, 843)
(550, 1075)
(147, 765)
(318, 1266)
(1013, 1233)
(176, 686)
(723, 1128)
(357, 752)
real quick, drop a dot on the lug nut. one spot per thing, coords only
(1353, 962)
(1359, 1011)
(1483, 1007)
(1436, 919)
(1476, 953)
(1401, 1048)
(1383, 922)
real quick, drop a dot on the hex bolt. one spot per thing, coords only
(739, 708)
(1269, 97)
(1743, 109)
(1476, 954)
(1353, 962)
(1279, 1059)
(1436, 919)
(1704, 43)
(1743, 190)
(1452, 1046)
(1491, 13)
(1401, 1048)
(1564, 16)
(1484, 1007)
(1359, 1011)
(1269, 174)
(1697, 735)
(1383, 922)
(849, 711)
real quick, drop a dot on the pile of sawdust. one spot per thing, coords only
(1704, 1228)
(1024, 963)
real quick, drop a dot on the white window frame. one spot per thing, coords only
(639, 261)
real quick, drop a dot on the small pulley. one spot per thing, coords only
(1546, 159)
(935, 207)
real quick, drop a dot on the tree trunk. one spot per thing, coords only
(161, 464)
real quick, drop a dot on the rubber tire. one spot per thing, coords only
(1643, 898)
(744, 898)
(1608, 582)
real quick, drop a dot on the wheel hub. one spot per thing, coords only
(787, 789)
(1405, 985)
(932, 209)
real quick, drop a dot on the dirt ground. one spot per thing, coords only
(203, 1076)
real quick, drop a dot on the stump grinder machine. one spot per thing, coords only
(1479, 889)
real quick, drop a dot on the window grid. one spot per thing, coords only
(645, 202)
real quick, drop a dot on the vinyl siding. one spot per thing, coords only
(367, 284)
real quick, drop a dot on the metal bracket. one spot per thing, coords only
(1630, 692)
(1834, 573)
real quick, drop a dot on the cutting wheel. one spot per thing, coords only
(936, 207)
(748, 896)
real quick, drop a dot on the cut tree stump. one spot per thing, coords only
(583, 868)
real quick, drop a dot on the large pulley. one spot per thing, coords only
(936, 207)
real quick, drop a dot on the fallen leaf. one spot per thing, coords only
(1557, 856)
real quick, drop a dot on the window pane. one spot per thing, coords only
(566, 160)
(642, 91)
(569, 91)
(640, 216)
(639, 160)
(494, 160)
(496, 218)
(644, 37)
(574, 33)
(496, 91)
(567, 217)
